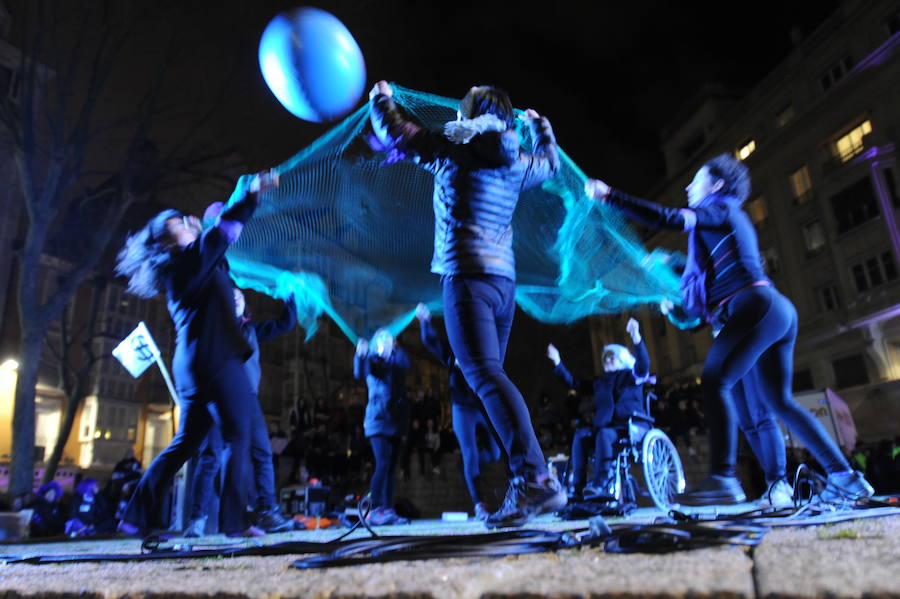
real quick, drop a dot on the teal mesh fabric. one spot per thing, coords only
(352, 237)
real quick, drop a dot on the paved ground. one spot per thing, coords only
(851, 559)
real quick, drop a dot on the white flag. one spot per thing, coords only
(137, 351)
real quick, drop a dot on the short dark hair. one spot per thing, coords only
(487, 99)
(733, 173)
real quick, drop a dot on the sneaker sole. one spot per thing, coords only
(552, 504)
(702, 501)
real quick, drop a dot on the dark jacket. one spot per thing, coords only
(258, 331)
(617, 395)
(723, 245)
(460, 393)
(476, 186)
(200, 299)
(387, 412)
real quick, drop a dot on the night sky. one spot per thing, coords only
(609, 75)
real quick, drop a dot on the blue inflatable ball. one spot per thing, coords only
(312, 64)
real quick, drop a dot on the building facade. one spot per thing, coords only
(820, 136)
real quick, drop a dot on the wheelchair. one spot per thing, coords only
(639, 443)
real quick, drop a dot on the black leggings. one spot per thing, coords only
(760, 427)
(760, 331)
(387, 450)
(230, 392)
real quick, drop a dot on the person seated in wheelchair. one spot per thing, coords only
(618, 395)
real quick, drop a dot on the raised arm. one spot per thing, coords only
(563, 373)
(544, 157)
(641, 358)
(359, 359)
(395, 130)
(655, 215)
(269, 329)
(430, 339)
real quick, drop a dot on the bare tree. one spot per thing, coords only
(68, 114)
(75, 373)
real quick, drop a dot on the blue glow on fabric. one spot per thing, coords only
(350, 234)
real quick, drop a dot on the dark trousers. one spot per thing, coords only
(209, 464)
(468, 423)
(603, 439)
(478, 315)
(760, 427)
(231, 394)
(387, 450)
(210, 460)
(760, 331)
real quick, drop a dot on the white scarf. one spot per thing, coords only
(462, 131)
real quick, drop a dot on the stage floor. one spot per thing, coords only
(849, 559)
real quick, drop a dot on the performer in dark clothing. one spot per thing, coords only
(724, 283)
(753, 415)
(268, 515)
(469, 422)
(171, 253)
(618, 394)
(387, 417)
(479, 171)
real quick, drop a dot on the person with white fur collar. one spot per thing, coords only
(479, 170)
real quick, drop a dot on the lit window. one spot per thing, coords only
(813, 236)
(745, 150)
(849, 145)
(756, 208)
(784, 116)
(801, 185)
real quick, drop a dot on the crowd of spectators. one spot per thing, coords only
(90, 510)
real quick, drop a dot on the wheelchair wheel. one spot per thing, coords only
(663, 472)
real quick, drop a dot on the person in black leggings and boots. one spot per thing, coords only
(479, 170)
(383, 366)
(724, 283)
(469, 422)
(172, 254)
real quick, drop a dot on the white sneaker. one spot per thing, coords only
(779, 494)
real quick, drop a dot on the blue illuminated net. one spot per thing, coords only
(352, 238)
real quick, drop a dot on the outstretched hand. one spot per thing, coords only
(381, 87)
(362, 347)
(633, 328)
(265, 181)
(666, 306)
(553, 354)
(529, 115)
(423, 313)
(597, 190)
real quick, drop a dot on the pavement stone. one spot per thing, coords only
(805, 562)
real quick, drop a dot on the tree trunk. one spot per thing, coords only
(65, 429)
(75, 394)
(21, 478)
